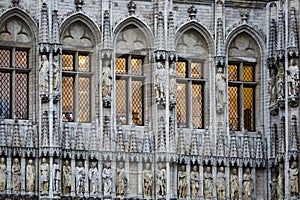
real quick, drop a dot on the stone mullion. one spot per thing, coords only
(201, 181)
(73, 186)
(23, 173)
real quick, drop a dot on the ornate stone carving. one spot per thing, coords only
(67, 178)
(79, 4)
(273, 87)
(93, 177)
(106, 83)
(107, 179)
(220, 89)
(192, 12)
(182, 182)
(30, 176)
(44, 176)
(221, 184)
(121, 181)
(147, 181)
(44, 75)
(80, 178)
(208, 183)
(247, 185)
(293, 78)
(160, 83)
(172, 85)
(234, 185)
(280, 182)
(3, 174)
(161, 181)
(56, 176)
(294, 185)
(56, 75)
(16, 175)
(131, 7)
(195, 185)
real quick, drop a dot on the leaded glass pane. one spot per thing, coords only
(83, 63)
(248, 109)
(5, 95)
(248, 74)
(233, 107)
(181, 104)
(197, 105)
(21, 59)
(196, 70)
(137, 66)
(21, 96)
(232, 72)
(84, 99)
(121, 100)
(181, 69)
(67, 62)
(120, 66)
(137, 102)
(67, 98)
(4, 58)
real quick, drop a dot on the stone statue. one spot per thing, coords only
(44, 176)
(147, 181)
(280, 82)
(272, 87)
(280, 182)
(234, 185)
(160, 84)
(93, 177)
(3, 173)
(16, 175)
(293, 77)
(30, 176)
(56, 176)
(208, 183)
(182, 183)
(56, 74)
(107, 179)
(273, 184)
(44, 75)
(247, 185)
(173, 84)
(121, 180)
(161, 182)
(80, 178)
(106, 80)
(67, 178)
(221, 88)
(195, 182)
(221, 183)
(293, 172)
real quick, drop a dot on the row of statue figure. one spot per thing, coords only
(277, 81)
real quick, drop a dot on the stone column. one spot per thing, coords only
(73, 186)
(23, 172)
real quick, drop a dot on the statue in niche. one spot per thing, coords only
(147, 181)
(182, 182)
(16, 175)
(106, 80)
(280, 82)
(272, 87)
(221, 183)
(44, 176)
(56, 176)
(173, 84)
(273, 184)
(44, 75)
(160, 83)
(107, 179)
(195, 182)
(80, 177)
(221, 89)
(3, 174)
(280, 182)
(67, 178)
(121, 180)
(293, 77)
(234, 185)
(93, 177)
(30, 176)
(293, 172)
(161, 182)
(208, 183)
(56, 74)
(247, 185)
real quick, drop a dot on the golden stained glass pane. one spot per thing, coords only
(4, 58)
(67, 62)
(248, 74)
(232, 72)
(121, 100)
(248, 109)
(197, 105)
(67, 98)
(233, 107)
(196, 70)
(137, 102)
(21, 59)
(21, 101)
(181, 104)
(84, 100)
(181, 69)
(137, 66)
(83, 63)
(121, 66)
(5, 98)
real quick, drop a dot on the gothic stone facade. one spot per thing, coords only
(149, 99)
